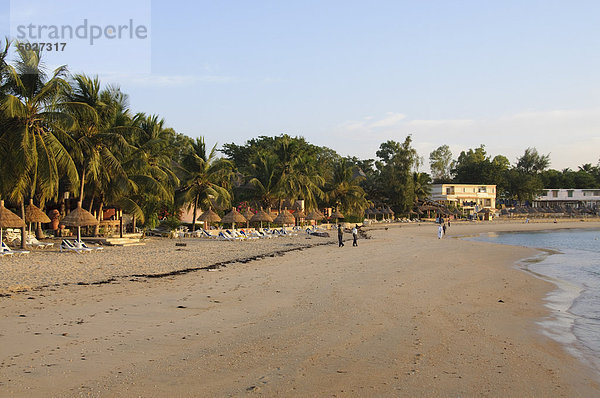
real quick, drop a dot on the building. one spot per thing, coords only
(472, 198)
(574, 198)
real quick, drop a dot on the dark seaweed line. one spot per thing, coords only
(178, 272)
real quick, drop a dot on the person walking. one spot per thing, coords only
(340, 236)
(440, 232)
(444, 228)
(355, 236)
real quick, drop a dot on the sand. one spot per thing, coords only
(402, 314)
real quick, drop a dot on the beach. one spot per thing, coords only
(402, 314)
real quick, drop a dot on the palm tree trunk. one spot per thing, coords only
(23, 229)
(194, 214)
(82, 184)
(133, 223)
(97, 227)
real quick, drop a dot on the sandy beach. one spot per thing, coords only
(402, 314)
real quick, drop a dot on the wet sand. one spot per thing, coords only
(402, 314)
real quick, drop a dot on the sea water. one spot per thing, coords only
(573, 264)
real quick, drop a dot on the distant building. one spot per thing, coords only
(472, 198)
(574, 198)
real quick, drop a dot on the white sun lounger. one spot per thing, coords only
(35, 243)
(205, 234)
(8, 250)
(82, 244)
(67, 245)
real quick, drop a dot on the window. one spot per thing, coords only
(555, 194)
(570, 193)
(482, 189)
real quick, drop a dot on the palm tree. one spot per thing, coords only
(149, 168)
(92, 126)
(344, 188)
(37, 150)
(263, 178)
(203, 178)
(34, 140)
(422, 185)
(298, 175)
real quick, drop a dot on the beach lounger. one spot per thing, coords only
(205, 234)
(35, 243)
(67, 245)
(248, 235)
(5, 253)
(259, 235)
(235, 235)
(82, 244)
(223, 236)
(6, 249)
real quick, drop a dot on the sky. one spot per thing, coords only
(348, 74)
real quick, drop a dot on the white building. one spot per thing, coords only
(470, 197)
(568, 198)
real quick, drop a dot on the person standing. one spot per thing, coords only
(355, 236)
(440, 232)
(340, 236)
(444, 228)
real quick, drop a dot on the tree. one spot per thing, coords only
(92, 127)
(263, 179)
(202, 176)
(440, 161)
(34, 141)
(422, 185)
(524, 180)
(471, 166)
(343, 188)
(532, 163)
(395, 167)
(282, 168)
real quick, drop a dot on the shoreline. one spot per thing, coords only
(560, 301)
(403, 314)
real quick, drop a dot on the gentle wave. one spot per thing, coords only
(575, 269)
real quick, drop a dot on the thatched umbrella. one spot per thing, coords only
(367, 213)
(299, 216)
(390, 212)
(284, 217)
(314, 216)
(34, 214)
(261, 216)
(8, 219)
(209, 216)
(79, 218)
(247, 215)
(232, 217)
(337, 214)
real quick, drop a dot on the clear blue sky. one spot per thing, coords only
(352, 74)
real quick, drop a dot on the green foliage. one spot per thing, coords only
(280, 168)
(69, 133)
(343, 190)
(476, 167)
(440, 161)
(395, 179)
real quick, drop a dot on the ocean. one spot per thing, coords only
(571, 261)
